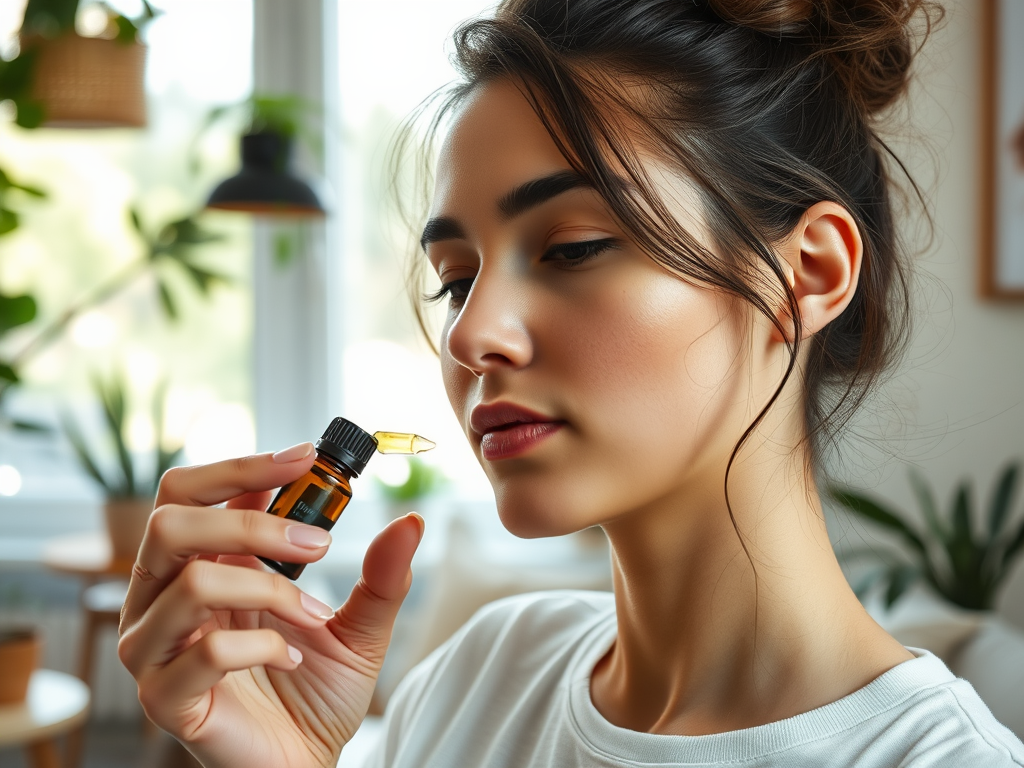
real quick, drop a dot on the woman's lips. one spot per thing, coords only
(516, 439)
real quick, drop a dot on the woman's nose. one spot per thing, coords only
(490, 332)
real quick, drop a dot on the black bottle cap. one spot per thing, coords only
(345, 442)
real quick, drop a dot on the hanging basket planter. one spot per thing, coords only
(90, 82)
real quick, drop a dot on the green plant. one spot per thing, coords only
(424, 479)
(120, 479)
(46, 20)
(20, 309)
(168, 248)
(952, 555)
(285, 114)
(43, 20)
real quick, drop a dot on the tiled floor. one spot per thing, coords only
(115, 745)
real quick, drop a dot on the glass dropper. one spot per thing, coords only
(401, 442)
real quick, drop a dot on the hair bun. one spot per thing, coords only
(870, 43)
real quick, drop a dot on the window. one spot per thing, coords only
(391, 378)
(199, 56)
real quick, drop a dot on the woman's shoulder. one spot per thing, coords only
(952, 719)
(921, 712)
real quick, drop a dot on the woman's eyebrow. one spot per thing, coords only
(533, 193)
(441, 228)
(513, 203)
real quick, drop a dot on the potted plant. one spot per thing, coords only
(61, 78)
(129, 492)
(964, 559)
(422, 481)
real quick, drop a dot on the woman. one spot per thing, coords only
(664, 231)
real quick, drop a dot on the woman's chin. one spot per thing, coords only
(526, 516)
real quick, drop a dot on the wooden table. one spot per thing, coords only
(56, 704)
(88, 555)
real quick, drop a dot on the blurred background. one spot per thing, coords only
(149, 318)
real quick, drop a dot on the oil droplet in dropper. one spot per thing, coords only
(400, 442)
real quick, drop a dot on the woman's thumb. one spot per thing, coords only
(365, 621)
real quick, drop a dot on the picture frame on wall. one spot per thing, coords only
(1002, 198)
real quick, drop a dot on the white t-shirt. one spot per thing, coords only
(512, 688)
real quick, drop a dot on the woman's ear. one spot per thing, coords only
(822, 259)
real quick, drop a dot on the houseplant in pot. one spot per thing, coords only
(63, 79)
(962, 555)
(129, 492)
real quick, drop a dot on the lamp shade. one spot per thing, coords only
(265, 185)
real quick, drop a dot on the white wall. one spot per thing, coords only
(956, 408)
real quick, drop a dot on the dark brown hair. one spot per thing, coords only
(768, 107)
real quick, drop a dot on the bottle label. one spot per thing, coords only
(307, 508)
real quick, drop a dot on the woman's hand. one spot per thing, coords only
(239, 664)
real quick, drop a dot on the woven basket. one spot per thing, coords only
(90, 82)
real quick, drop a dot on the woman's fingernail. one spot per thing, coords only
(295, 654)
(308, 536)
(314, 607)
(296, 452)
(420, 521)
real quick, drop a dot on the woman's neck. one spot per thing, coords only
(703, 646)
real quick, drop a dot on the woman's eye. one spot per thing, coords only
(572, 254)
(455, 290)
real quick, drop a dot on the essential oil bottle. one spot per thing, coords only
(319, 497)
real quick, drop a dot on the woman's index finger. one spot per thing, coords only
(210, 484)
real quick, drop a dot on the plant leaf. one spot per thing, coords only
(127, 31)
(8, 221)
(926, 499)
(1014, 547)
(16, 74)
(7, 373)
(188, 232)
(149, 12)
(30, 191)
(900, 579)
(165, 459)
(962, 515)
(136, 221)
(963, 552)
(167, 300)
(284, 248)
(31, 426)
(875, 512)
(30, 113)
(864, 584)
(858, 553)
(15, 311)
(113, 398)
(1001, 500)
(81, 449)
(201, 277)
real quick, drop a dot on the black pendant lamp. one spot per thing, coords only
(265, 185)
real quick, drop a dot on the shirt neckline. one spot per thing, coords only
(888, 690)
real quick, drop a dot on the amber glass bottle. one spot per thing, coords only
(319, 497)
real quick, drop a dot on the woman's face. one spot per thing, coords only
(589, 380)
